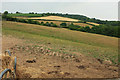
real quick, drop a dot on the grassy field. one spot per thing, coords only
(25, 15)
(94, 45)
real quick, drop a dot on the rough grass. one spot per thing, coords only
(94, 45)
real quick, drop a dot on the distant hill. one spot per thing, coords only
(109, 28)
(73, 16)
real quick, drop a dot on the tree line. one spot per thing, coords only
(101, 29)
(75, 16)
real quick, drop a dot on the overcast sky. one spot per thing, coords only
(101, 9)
(60, 0)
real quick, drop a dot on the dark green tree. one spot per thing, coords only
(87, 29)
(63, 25)
(5, 14)
(42, 23)
(17, 12)
(47, 24)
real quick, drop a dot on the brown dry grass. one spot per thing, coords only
(7, 62)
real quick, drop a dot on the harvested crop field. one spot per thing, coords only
(55, 18)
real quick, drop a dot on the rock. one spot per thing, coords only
(101, 61)
(77, 60)
(62, 73)
(41, 66)
(53, 72)
(47, 51)
(49, 43)
(57, 66)
(113, 68)
(66, 73)
(50, 65)
(43, 72)
(107, 62)
(81, 67)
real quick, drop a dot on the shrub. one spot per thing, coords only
(42, 23)
(54, 25)
(82, 29)
(47, 24)
(63, 24)
(51, 23)
(4, 16)
(30, 21)
(87, 29)
(73, 27)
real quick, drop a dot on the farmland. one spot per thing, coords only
(83, 42)
(54, 18)
(73, 22)
(58, 20)
(49, 52)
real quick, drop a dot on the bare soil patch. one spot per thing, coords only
(37, 62)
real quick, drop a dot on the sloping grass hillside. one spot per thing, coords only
(94, 45)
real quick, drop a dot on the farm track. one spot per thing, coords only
(39, 62)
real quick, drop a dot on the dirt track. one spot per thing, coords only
(34, 62)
